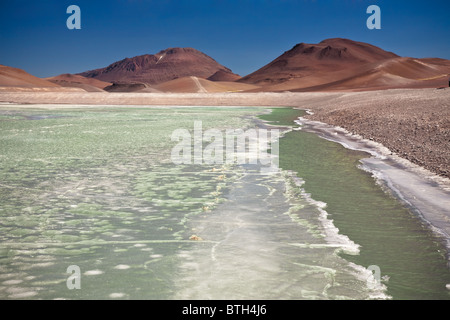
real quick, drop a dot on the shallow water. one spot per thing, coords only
(390, 234)
(268, 242)
(96, 189)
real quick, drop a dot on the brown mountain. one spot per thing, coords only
(18, 80)
(308, 59)
(342, 65)
(166, 65)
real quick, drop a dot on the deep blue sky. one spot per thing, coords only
(243, 35)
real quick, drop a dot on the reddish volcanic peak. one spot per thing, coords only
(337, 48)
(362, 51)
(345, 65)
(131, 64)
(327, 56)
(166, 65)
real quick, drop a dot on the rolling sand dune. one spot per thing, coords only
(17, 80)
(77, 81)
(194, 84)
(82, 86)
(130, 87)
(386, 74)
(13, 77)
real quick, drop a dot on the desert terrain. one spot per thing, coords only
(400, 102)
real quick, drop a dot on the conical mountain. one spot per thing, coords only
(346, 65)
(307, 59)
(153, 69)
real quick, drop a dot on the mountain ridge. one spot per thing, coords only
(342, 64)
(334, 64)
(166, 65)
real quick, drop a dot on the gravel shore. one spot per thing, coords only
(414, 124)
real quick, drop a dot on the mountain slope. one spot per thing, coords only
(14, 77)
(223, 75)
(307, 59)
(77, 81)
(343, 65)
(18, 80)
(166, 65)
(199, 85)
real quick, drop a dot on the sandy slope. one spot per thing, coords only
(346, 65)
(198, 85)
(77, 81)
(154, 69)
(305, 59)
(384, 74)
(329, 66)
(223, 75)
(13, 77)
(18, 80)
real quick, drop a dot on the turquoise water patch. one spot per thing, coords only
(96, 188)
(84, 186)
(390, 236)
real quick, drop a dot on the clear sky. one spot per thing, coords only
(243, 35)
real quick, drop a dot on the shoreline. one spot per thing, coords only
(420, 189)
(426, 194)
(414, 124)
(407, 130)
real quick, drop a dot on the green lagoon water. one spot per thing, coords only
(95, 187)
(389, 234)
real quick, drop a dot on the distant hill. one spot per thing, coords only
(331, 65)
(164, 66)
(194, 84)
(77, 81)
(343, 64)
(130, 87)
(223, 75)
(17, 80)
(14, 77)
